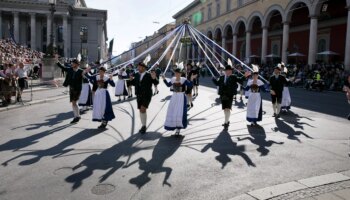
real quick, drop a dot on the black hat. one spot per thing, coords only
(76, 61)
(228, 67)
(142, 65)
(177, 70)
(277, 67)
(103, 69)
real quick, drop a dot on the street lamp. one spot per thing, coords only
(51, 49)
(99, 52)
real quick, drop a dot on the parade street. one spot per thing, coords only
(44, 157)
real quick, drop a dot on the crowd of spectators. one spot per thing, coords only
(17, 63)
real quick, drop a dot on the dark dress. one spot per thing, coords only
(143, 89)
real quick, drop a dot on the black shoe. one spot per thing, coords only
(119, 100)
(278, 116)
(349, 117)
(129, 97)
(191, 104)
(274, 115)
(75, 120)
(157, 92)
(188, 105)
(143, 130)
(226, 124)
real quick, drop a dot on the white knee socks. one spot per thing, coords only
(143, 117)
(76, 110)
(227, 115)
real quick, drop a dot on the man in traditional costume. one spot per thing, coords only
(143, 81)
(189, 73)
(176, 117)
(277, 83)
(226, 84)
(74, 79)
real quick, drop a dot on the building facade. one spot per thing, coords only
(76, 28)
(258, 28)
(138, 47)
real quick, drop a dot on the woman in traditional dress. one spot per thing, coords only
(254, 105)
(176, 117)
(102, 108)
(286, 99)
(120, 89)
(85, 98)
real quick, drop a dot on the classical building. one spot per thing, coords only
(258, 28)
(76, 28)
(138, 47)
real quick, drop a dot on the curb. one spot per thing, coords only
(38, 89)
(295, 186)
(32, 103)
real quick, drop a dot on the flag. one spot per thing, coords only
(110, 47)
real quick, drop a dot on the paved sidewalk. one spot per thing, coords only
(37, 95)
(334, 186)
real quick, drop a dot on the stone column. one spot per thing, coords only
(223, 45)
(48, 28)
(65, 35)
(0, 25)
(264, 44)
(347, 44)
(285, 41)
(313, 40)
(16, 26)
(32, 31)
(248, 46)
(234, 44)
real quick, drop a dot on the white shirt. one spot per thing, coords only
(142, 75)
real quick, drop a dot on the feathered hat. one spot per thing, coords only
(255, 69)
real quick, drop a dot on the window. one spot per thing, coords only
(275, 49)
(44, 35)
(84, 34)
(209, 12)
(60, 33)
(322, 45)
(218, 8)
(239, 3)
(228, 5)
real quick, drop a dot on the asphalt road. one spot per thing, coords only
(43, 157)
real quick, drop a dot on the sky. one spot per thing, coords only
(132, 20)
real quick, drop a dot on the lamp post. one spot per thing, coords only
(51, 49)
(99, 52)
(81, 43)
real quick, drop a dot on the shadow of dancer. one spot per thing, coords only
(258, 137)
(295, 120)
(57, 150)
(51, 121)
(224, 145)
(163, 150)
(288, 130)
(17, 144)
(108, 159)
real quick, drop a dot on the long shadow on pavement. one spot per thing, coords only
(57, 150)
(17, 144)
(284, 128)
(109, 159)
(258, 137)
(225, 146)
(163, 150)
(51, 121)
